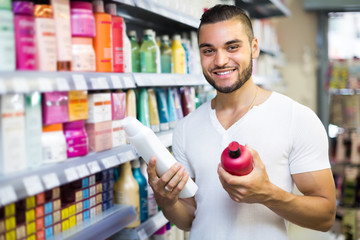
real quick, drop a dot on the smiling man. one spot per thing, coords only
(287, 141)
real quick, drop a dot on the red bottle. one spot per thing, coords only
(236, 159)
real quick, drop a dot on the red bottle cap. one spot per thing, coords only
(234, 150)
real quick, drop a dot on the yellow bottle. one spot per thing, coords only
(178, 55)
(130, 103)
(126, 191)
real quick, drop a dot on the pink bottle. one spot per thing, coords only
(76, 138)
(24, 27)
(82, 19)
(236, 159)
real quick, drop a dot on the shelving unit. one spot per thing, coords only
(264, 8)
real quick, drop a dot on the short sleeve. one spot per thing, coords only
(310, 146)
(178, 146)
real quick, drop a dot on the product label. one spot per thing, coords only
(25, 43)
(83, 58)
(78, 108)
(7, 43)
(82, 23)
(46, 44)
(126, 198)
(61, 10)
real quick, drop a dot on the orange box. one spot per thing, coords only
(40, 198)
(39, 211)
(39, 224)
(78, 106)
(40, 235)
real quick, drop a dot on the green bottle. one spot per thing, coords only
(166, 54)
(143, 107)
(148, 53)
(135, 52)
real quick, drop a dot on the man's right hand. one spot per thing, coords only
(167, 187)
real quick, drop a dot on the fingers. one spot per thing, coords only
(255, 156)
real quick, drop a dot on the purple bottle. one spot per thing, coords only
(24, 28)
(76, 138)
(236, 159)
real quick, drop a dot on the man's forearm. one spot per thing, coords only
(313, 212)
(181, 213)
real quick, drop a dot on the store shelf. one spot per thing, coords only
(142, 14)
(164, 79)
(101, 226)
(332, 5)
(264, 8)
(14, 187)
(25, 82)
(148, 228)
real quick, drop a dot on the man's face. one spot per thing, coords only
(226, 54)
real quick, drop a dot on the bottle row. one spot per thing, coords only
(345, 147)
(60, 35)
(344, 74)
(36, 129)
(345, 110)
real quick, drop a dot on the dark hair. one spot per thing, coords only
(222, 12)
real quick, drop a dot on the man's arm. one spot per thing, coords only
(315, 210)
(178, 211)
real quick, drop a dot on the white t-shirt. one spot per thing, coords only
(289, 138)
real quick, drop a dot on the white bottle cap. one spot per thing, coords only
(110, 8)
(132, 33)
(165, 37)
(148, 32)
(177, 37)
(98, 6)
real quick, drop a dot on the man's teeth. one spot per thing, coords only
(224, 73)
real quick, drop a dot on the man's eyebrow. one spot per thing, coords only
(205, 45)
(227, 43)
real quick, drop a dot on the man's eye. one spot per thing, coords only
(207, 51)
(233, 47)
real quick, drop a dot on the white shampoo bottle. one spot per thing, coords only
(147, 144)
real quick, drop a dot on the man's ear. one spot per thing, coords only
(255, 49)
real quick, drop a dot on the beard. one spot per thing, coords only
(244, 76)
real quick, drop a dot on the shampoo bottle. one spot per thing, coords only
(143, 189)
(117, 25)
(126, 191)
(147, 144)
(45, 37)
(135, 52)
(61, 9)
(236, 159)
(102, 39)
(152, 205)
(24, 35)
(131, 103)
(153, 111)
(143, 113)
(148, 53)
(162, 109)
(178, 55)
(166, 55)
(7, 43)
(127, 52)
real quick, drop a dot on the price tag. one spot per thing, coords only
(116, 82)
(139, 81)
(20, 85)
(126, 156)
(142, 234)
(33, 185)
(99, 83)
(62, 84)
(45, 84)
(82, 171)
(128, 82)
(110, 162)
(94, 167)
(51, 180)
(71, 174)
(80, 82)
(7, 195)
(2, 86)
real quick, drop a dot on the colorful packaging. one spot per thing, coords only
(24, 26)
(99, 107)
(55, 107)
(45, 38)
(82, 19)
(33, 130)
(99, 135)
(7, 43)
(78, 107)
(118, 105)
(117, 25)
(118, 134)
(61, 9)
(83, 54)
(76, 138)
(12, 126)
(53, 143)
